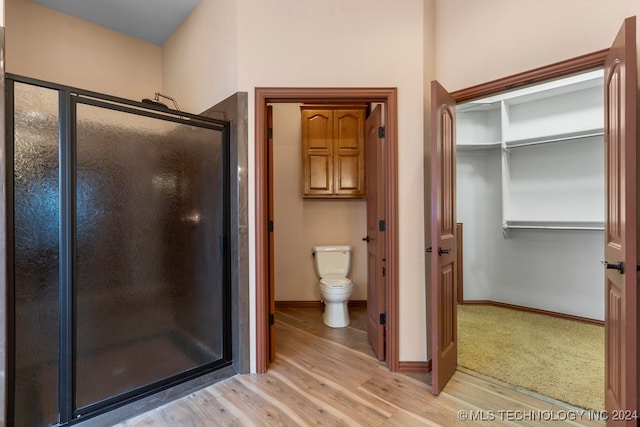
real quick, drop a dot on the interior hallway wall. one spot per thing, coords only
(46, 44)
(300, 224)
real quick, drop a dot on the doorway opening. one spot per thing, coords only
(265, 298)
(522, 153)
(530, 187)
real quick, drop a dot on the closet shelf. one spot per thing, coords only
(479, 146)
(553, 225)
(572, 136)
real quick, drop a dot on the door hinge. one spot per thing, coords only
(381, 132)
(382, 225)
(270, 226)
(384, 271)
(383, 318)
(269, 133)
(272, 319)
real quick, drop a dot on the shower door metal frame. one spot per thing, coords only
(68, 99)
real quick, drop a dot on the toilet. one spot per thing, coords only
(332, 267)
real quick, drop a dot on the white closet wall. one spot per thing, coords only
(530, 193)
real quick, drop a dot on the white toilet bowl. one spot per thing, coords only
(336, 294)
(332, 266)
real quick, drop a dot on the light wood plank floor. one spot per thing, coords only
(325, 376)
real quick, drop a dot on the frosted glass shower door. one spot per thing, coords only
(35, 255)
(118, 217)
(150, 269)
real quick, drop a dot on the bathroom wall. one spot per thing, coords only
(286, 43)
(202, 50)
(522, 35)
(48, 45)
(300, 224)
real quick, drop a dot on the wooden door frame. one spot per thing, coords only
(537, 75)
(388, 96)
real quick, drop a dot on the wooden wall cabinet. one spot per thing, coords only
(333, 151)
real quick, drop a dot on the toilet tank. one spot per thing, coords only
(332, 261)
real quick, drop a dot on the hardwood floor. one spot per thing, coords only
(325, 376)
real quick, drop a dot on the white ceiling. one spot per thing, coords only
(150, 20)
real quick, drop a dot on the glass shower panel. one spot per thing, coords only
(36, 243)
(149, 264)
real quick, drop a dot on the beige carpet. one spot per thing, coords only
(558, 358)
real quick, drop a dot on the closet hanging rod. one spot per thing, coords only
(553, 140)
(551, 227)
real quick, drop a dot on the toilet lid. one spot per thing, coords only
(342, 282)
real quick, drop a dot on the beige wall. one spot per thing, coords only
(49, 45)
(255, 43)
(372, 43)
(200, 59)
(482, 41)
(301, 224)
(429, 46)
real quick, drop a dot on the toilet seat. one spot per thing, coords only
(335, 282)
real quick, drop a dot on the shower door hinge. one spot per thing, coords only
(383, 318)
(270, 226)
(381, 132)
(272, 319)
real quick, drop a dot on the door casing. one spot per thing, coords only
(263, 96)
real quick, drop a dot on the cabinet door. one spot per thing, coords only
(317, 151)
(348, 131)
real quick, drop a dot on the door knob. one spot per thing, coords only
(618, 266)
(440, 251)
(366, 239)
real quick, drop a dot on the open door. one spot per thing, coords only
(443, 260)
(271, 301)
(621, 229)
(376, 300)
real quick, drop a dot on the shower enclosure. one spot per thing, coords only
(118, 229)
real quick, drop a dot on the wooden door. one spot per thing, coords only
(271, 299)
(443, 260)
(621, 229)
(376, 298)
